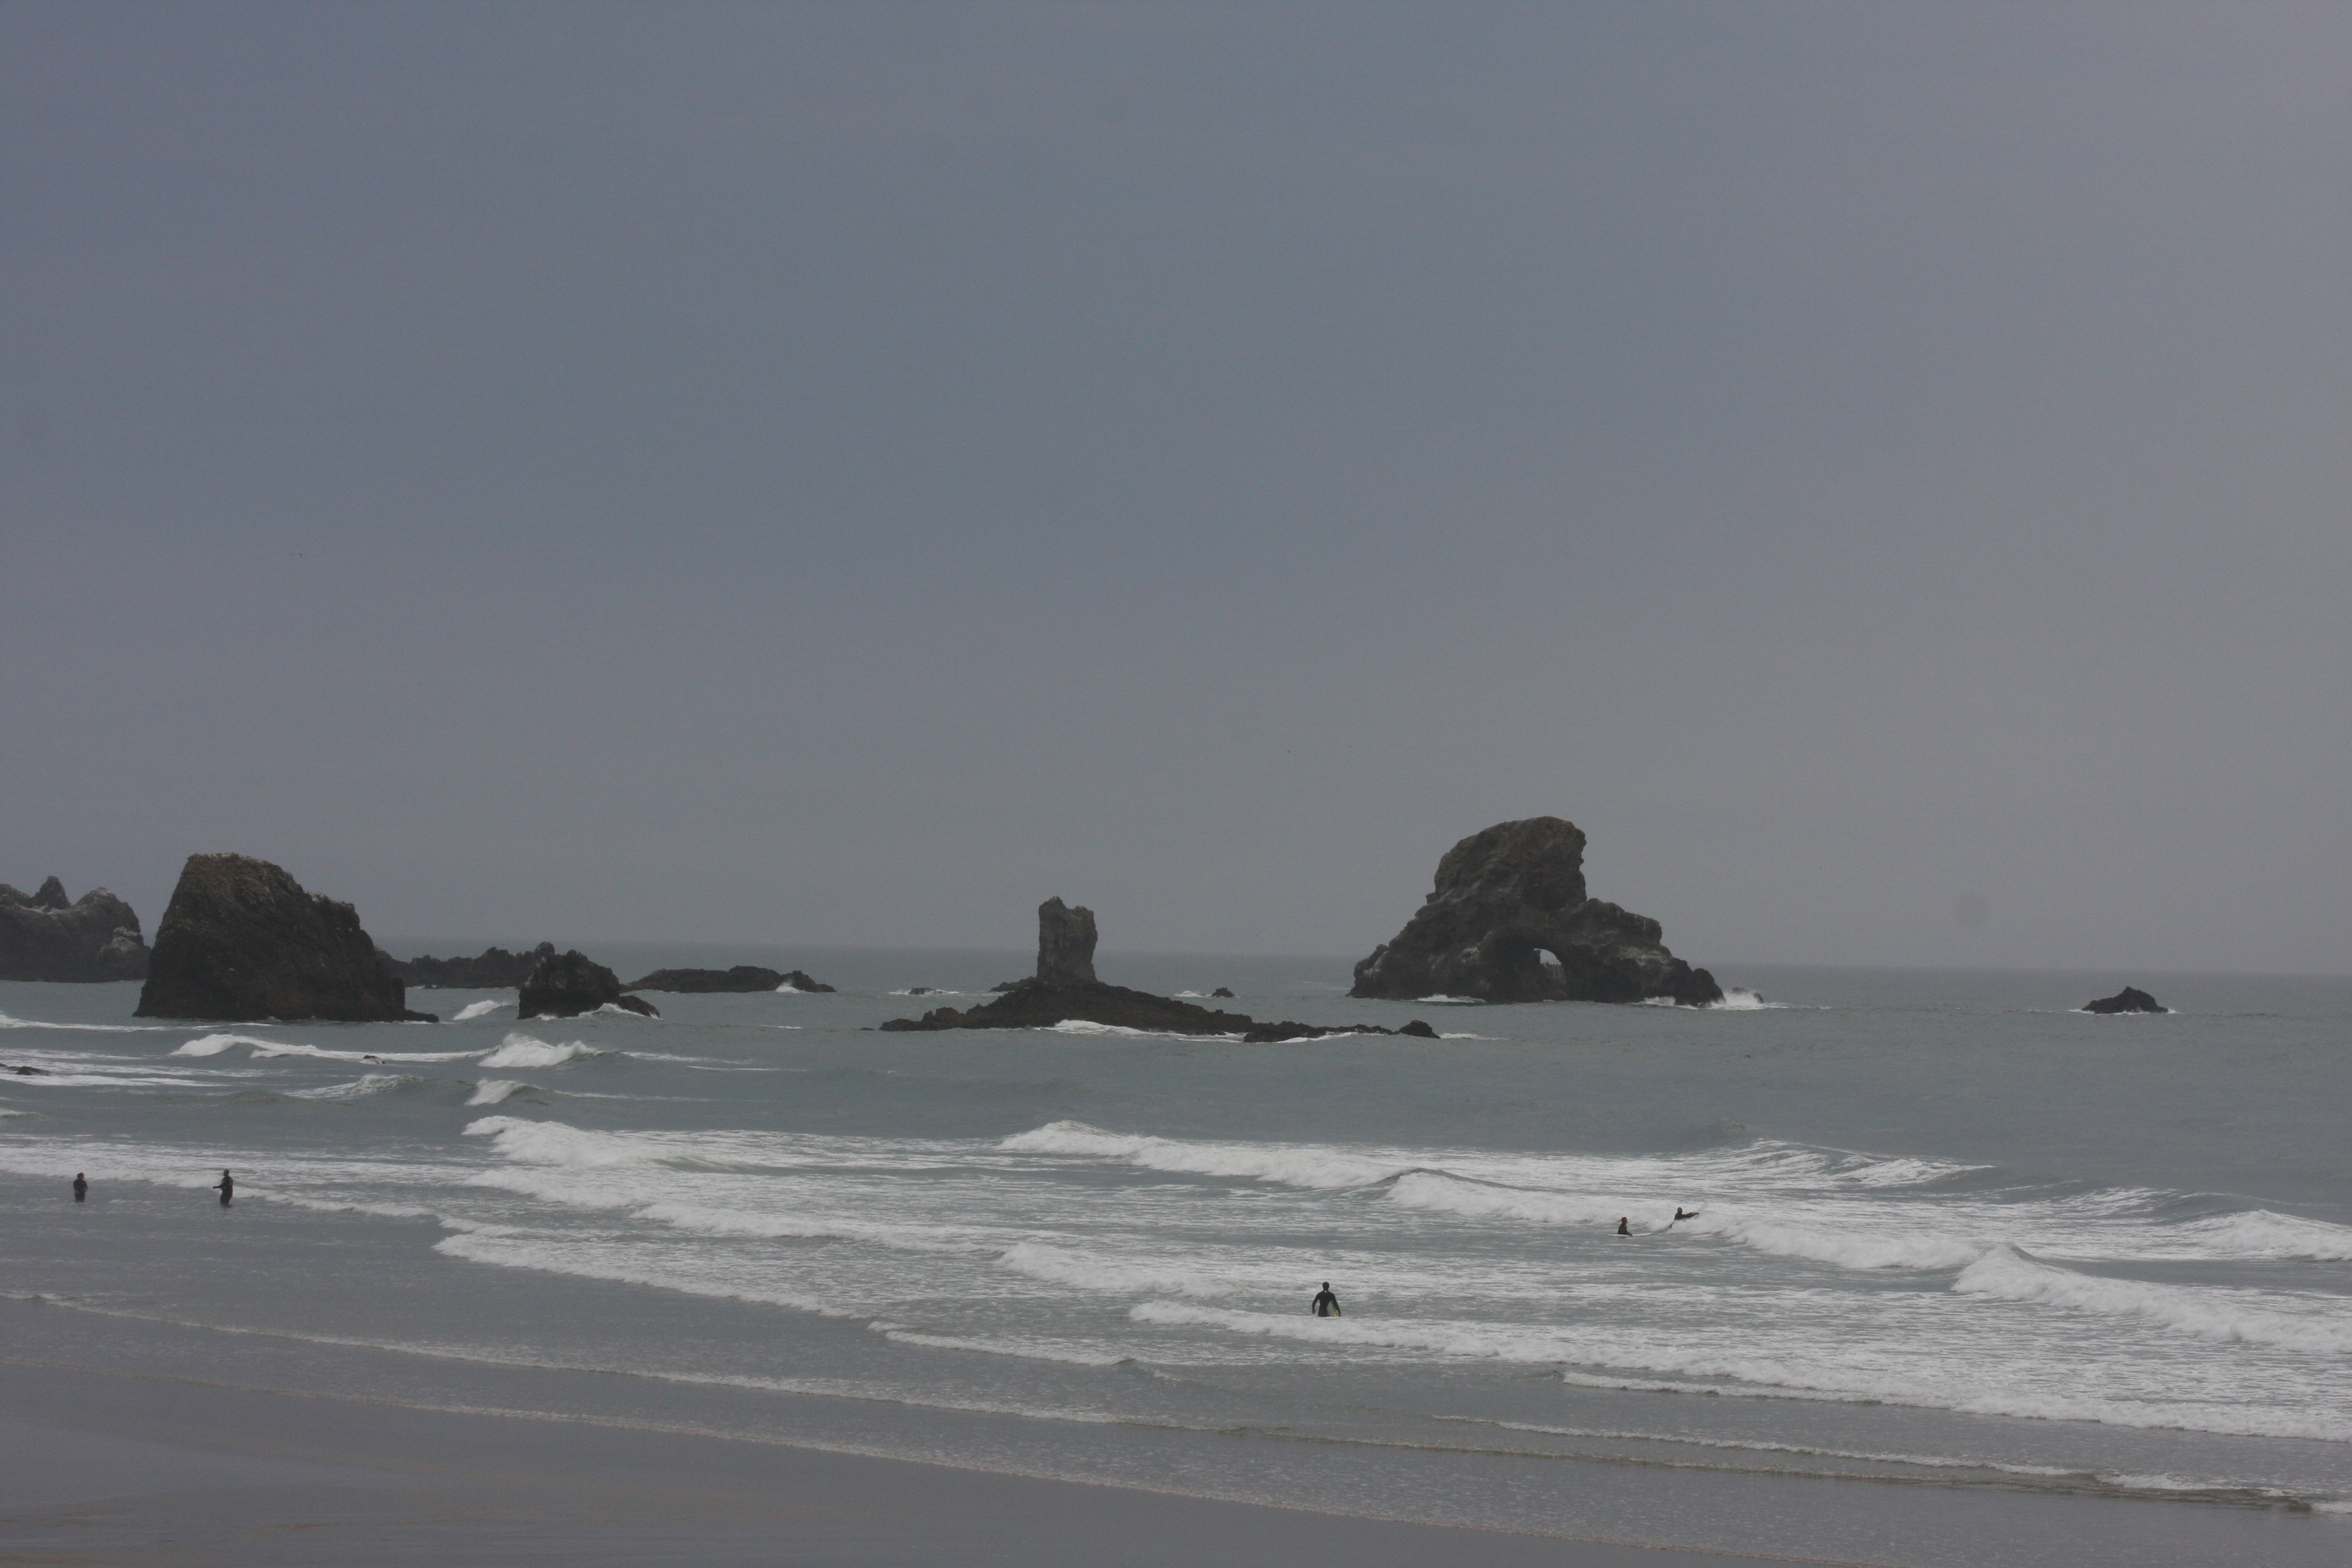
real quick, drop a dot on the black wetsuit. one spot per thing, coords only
(228, 1185)
(81, 1190)
(1622, 1229)
(1327, 1305)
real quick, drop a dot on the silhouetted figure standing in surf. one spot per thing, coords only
(81, 1188)
(1326, 1305)
(228, 1185)
(1622, 1228)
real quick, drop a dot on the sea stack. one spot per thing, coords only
(494, 969)
(742, 977)
(566, 984)
(45, 937)
(241, 940)
(2130, 999)
(1064, 990)
(1505, 900)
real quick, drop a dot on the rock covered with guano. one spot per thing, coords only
(45, 936)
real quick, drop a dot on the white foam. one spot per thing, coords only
(1027, 1349)
(1740, 999)
(2319, 1325)
(1884, 1246)
(1438, 1191)
(9, 1022)
(2261, 1233)
(1442, 1000)
(482, 1009)
(1294, 1166)
(554, 1143)
(370, 1083)
(776, 1225)
(521, 1050)
(494, 1090)
(262, 1050)
(1088, 1027)
(1093, 1271)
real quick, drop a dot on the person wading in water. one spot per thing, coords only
(1622, 1228)
(228, 1187)
(81, 1187)
(1326, 1305)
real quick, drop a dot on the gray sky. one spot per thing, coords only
(838, 475)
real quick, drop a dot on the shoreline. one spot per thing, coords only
(137, 1468)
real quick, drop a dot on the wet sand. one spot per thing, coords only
(108, 1467)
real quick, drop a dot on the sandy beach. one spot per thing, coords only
(123, 1468)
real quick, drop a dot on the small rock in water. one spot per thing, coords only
(2130, 999)
(1225, 990)
(569, 983)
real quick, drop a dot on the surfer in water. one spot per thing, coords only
(1622, 1228)
(81, 1187)
(228, 1188)
(1326, 1305)
(1680, 1214)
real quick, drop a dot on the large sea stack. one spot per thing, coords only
(45, 937)
(241, 940)
(2130, 999)
(1505, 900)
(566, 984)
(1064, 990)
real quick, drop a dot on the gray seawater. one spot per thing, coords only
(1977, 1278)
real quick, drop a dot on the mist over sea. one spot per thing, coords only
(2076, 1285)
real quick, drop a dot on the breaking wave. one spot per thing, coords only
(482, 1009)
(518, 1050)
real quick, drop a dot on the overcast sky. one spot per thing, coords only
(837, 475)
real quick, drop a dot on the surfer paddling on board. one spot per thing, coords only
(1680, 1214)
(1326, 1305)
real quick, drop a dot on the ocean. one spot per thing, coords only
(2072, 1288)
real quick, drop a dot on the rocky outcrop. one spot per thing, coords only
(45, 937)
(566, 984)
(742, 977)
(241, 940)
(1055, 995)
(2130, 999)
(1505, 900)
(1065, 944)
(494, 970)
(1226, 992)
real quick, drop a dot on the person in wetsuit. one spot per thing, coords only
(1622, 1228)
(81, 1188)
(1679, 1215)
(228, 1185)
(1326, 1305)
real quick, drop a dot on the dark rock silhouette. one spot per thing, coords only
(2130, 999)
(1504, 899)
(1225, 990)
(742, 977)
(495, 968)
(46, 937)
(241, 940)
(1065, 947)
(1065, 944)
(566, 984)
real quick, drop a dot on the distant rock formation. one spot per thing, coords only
(93, 937)
(566, 984)
(1225, 990)
(241, 940)
(1064, 990)
(1065, 944)
(495, 969)
(1507, 897)
(2130, 999)
(742, 977)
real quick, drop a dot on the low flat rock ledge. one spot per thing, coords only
(1056, 994)
(566, 984)
(2130, 999)
(242, 941)
(94, 938)
(1509, 921)
(742, 977)
(494, 970)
